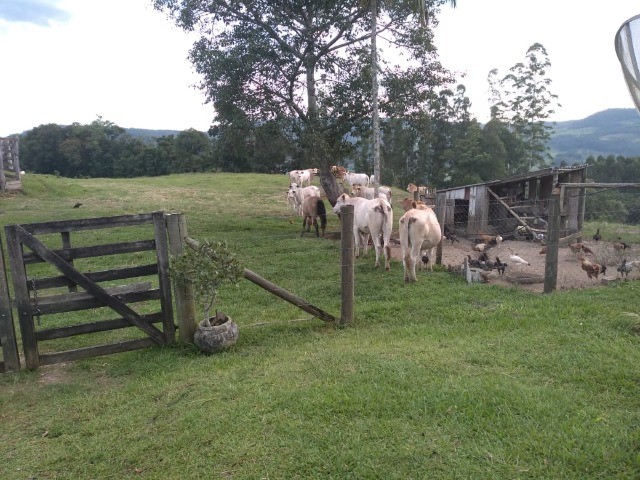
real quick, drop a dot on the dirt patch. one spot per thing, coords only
(570, 273)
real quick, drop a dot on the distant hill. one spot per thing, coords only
(149, 136)
(615, 131)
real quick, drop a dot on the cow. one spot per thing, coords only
(370, 217)
(300, 193)
(338, 172)
(369, 192)
(419, 229)
(357, 178)
(306, 176)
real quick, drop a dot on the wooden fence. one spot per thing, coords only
(39, 294)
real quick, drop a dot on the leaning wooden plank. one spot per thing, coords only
(516, 216)
(288, 296)
(7, 328)
(101, 276)
(88, 224)
(96, 290)
(69, 254)
(93, 327)
(96, 351)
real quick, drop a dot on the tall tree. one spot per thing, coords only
(524, 100)
(421, 7)
(278, 60)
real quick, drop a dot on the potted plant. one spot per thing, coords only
(206, 266)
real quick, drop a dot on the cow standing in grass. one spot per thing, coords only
(419, 229)
(370, 217)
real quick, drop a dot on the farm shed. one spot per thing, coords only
(500, 206)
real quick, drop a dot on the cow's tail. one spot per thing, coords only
(322, 213)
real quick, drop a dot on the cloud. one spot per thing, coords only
(39, 12)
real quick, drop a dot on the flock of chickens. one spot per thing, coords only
(592, 268)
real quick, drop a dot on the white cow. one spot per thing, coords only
(369, 192)
(306, 176)
(300, 193)
(419, 230)
(357, 178)
(293, 176)
(370, 217)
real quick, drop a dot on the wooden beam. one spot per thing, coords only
(517, 217)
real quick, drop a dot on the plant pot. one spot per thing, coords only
(216, 333)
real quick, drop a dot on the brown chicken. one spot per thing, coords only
(593, 269)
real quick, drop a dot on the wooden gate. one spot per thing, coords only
(42, 293)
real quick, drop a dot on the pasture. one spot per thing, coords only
(437, 379)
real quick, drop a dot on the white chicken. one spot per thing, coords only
(518, 260)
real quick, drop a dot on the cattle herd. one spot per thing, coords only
(373, 216)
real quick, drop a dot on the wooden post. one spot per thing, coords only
(553, 233)
(346, 235)
(185, 304)
(441, 215)
(3, 180)
(21, 293)
(7, 328)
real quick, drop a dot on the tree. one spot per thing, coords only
(301, 64)
(421, 8)
(523, 100)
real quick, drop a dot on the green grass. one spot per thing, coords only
(439, 379)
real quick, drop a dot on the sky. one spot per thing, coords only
(66, 61)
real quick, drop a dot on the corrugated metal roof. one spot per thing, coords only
(545, 172)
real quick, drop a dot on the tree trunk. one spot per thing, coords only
(330, 186)
(374, 96)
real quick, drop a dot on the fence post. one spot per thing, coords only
(553, 233)
(185, 304)
(346, 236)
(440, 214)
(7, 329)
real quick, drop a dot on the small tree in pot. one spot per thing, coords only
(207, 266)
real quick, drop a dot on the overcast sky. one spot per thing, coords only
(66, 61)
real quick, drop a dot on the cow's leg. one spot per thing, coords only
(406, 263)
(378, 246)
(315, 224)
(356, 242)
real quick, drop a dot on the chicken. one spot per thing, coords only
(620, 245)
(518, 260)
(575, 247)
(543, 251)
(597, 237)
(500, 266)
(593, 269)
(580, 247)
(625, 268)
(479, 247)
(586, 249)
(77, 205)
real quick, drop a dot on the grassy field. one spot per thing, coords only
(438, 380)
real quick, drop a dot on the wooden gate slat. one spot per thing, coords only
(88, 223)
(11, 359)
(69, 254)
(95, 351)
(162, 255)
(93, 327)
(81, 280)
(100, 276)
